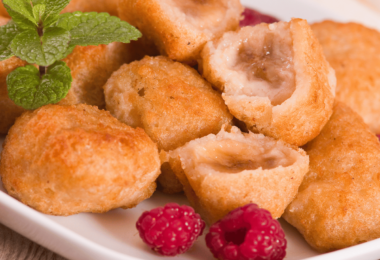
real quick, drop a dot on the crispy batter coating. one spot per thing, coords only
(228, 170)
(275, 78)
(180, 29)
(169, 100)
(338, 202)
(108, 6)
(64, 160)
(91, 66)
(354, 52)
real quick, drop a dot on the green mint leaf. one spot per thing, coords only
(38, 11)
(20, 20)
(43, 50)
(53, 8)
(28, 90)
(20, 8)
(96, 28)
(7, 33)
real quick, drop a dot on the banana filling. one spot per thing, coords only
(225, 171)
(263, 62)
(228, 156)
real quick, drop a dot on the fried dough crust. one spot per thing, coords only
(275, 78)
(91, 66)
(180, 29)
(108, 6)
(169, 100)
(231, 169)
(338, 202)
(63, 160)
(353, 50)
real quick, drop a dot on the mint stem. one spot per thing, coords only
(42, 70)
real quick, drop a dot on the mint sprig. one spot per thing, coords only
(94, 28)
(39, 35)
(27, 89)
(7, 33)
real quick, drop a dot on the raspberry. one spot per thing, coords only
(170, 230)
(252, 17)
(247, 233)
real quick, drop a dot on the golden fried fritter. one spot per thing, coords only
(338, 202)
(91, 66)
(354, 52)
(275, 78)
(108, 6)
(169, 100)
(64, 160)
(180, 29)
(228, 170)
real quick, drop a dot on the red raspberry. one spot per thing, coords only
(252, 17)
(378, 136)
(247, 233)
(170, 230)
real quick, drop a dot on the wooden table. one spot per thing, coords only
(15, 247)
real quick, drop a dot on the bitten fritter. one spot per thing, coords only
(231, 169)
(180, 29)
(169, 100)
(63, 160)
(338, 202)
(275, 79)
(353, 50)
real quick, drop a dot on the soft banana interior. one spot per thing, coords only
(234, 156)
(261, 63)
(228, 170)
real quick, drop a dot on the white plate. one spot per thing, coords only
(113, 235)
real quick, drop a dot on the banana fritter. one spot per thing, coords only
(353, 50)
(275, 78)
(169, 100)
(231, 169)
(63, 160)
(338, 202)
(180, 29)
